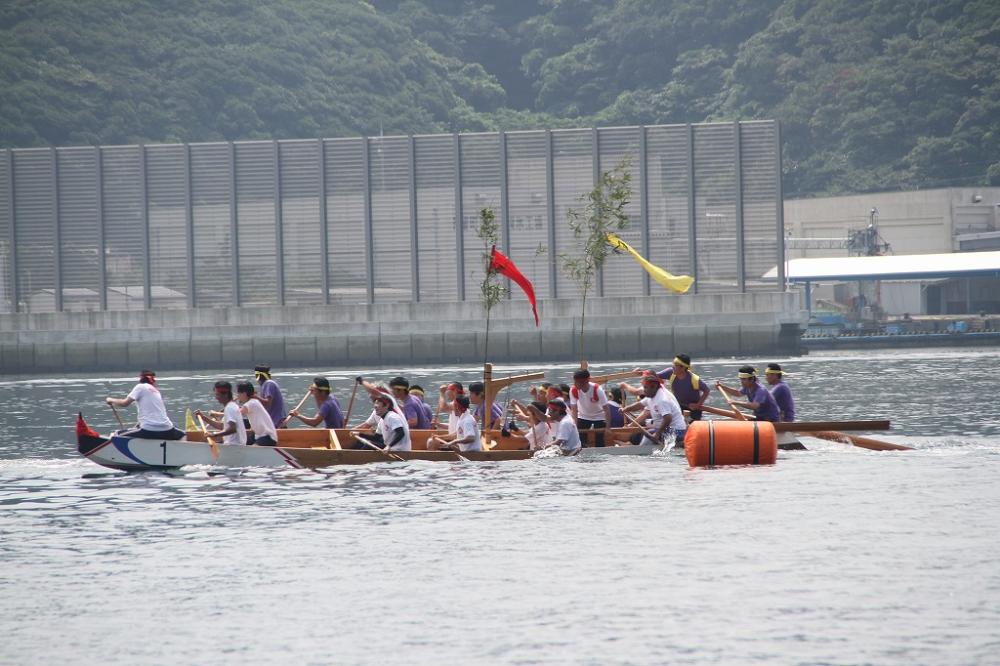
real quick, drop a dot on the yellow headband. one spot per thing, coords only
(320, 388)
(747, 375)
(416, 391)
(769, 371)
(682, 363)
(260, 373)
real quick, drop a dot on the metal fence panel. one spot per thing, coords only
(6, 230)
(389, 175)
(715, 207)
(255, 196)
(760, 201)
(436, 216)
(345, 185)
(123, 225)
(34, 242)
(622, 276)
(669, 185)
(572, 157)
(300, 223)
(213, 241)
(528, 196)
(80, 233)
(480, 189)
(166, 179)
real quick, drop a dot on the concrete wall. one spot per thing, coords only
(366, 335)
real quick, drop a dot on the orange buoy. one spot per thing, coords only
(711, 443)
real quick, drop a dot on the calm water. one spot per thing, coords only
(835, 555)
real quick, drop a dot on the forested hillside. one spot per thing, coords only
(871, 95)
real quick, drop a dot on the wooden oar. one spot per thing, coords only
(862, 442)
(375, 446)
(297, 408)
(215, 447)
(117, 415)
(739, 416)
(350, 405)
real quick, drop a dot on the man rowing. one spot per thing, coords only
(758, 399)
(466, 436)
(477, 396)
(660, 412)
(782, 395)
(262, 431)
(417, 392)
(230, 426)
(566, 437)
(589, 405)
(446, 403)
(691, 392)
(328, 408)
(411, 404)
(153, 420)
(270, 395)
(539, 432)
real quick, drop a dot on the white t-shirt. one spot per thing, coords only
(567, 433)
(466, 425)
(660, 405)
(452, 419)
(387, 427)
(539, 436)
(149, 404)
(232, 414)
(586, 406)
(260, 420)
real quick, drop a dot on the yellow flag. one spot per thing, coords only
(678, 283)
(189, 423)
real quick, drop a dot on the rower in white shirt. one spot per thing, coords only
(262, 431)
(567, 437)
(466, 437)
(661, 413)
(230, 427)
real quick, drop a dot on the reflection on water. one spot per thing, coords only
(834, 555)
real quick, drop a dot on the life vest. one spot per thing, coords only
(694, 380)
(576, 393)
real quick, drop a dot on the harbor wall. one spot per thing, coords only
(620, 328)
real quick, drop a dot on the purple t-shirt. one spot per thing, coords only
(413, 408)
(332, 415)
(496, 411)
(683, 388)
(617, 418)
(768, 410)
(270, 389)
(783, 397)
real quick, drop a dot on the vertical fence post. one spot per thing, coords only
(234, 224)
(147, 270)
(647, 245)
(692, 222)
(369, 234)
(102, 252)
(57, 286)
(595, 147)
(279, 233)
(741, 246)
(189, 227)
(459, 219)
(324, 230)
(550, 193)
(414, 224)
(11, 231)
(780, 206)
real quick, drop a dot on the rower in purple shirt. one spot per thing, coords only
(686, 386)
(413, 411)
(757, 397)
(477, 391)
(775, 377)
(270, 395)
(417, 392)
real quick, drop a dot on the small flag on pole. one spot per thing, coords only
(677, 283)
(504, 266)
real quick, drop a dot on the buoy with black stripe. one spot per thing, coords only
(712, 443)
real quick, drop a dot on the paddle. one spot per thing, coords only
(350, 405)
(375, 446)
(297, 408)
(215, 447)
(117, 415)
(862, 442)
(636, 423)
(740, 416)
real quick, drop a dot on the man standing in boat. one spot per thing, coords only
(328, 411)
(466, 437)
(782, 395)
(660, 411)
(567, 437)
(230, 427)
(270, 395)
(589, 405)
(153, 420)
(757, 397)
(262, 431)
(691, 392)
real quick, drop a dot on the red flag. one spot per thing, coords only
(504, 266)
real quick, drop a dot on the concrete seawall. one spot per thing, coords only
(400, 333)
